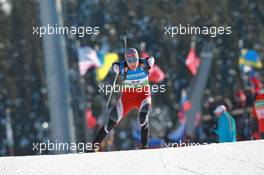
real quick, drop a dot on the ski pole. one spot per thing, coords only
(125, 42)
(112, 89)
(110, 96)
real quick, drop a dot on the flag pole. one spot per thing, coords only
(57, 74)
(9, 133)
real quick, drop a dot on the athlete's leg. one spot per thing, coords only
(111, 122)
(109, 125)
(144, 112)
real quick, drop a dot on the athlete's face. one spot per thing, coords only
(133, 66)
(132, 61)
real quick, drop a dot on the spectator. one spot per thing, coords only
(226, 126)
(258, 112)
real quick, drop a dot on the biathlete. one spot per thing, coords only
(134, 74)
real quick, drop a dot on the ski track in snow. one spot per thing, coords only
(241, 158)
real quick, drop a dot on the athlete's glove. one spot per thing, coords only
(150, 61)
(116, 68)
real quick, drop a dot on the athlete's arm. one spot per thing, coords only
(148, 62)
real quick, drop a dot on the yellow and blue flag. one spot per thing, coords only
(109, 59)
(250, 58)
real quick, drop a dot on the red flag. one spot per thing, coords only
(156, 75)
(187, 105)
(192, 62)
(144, 54)
(90, 119)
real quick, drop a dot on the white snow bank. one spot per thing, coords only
(229, 158)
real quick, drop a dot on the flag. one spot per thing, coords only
(87, 59)
(144, 54)
(109, 59)
(156, 75)
(90, 119)
(185, 104)
(102, 51)
(192, 62)
(250, 58)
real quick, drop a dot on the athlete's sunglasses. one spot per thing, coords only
(132, 60)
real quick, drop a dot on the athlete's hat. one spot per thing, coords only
(132, 55)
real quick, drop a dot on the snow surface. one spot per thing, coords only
(228, 158)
